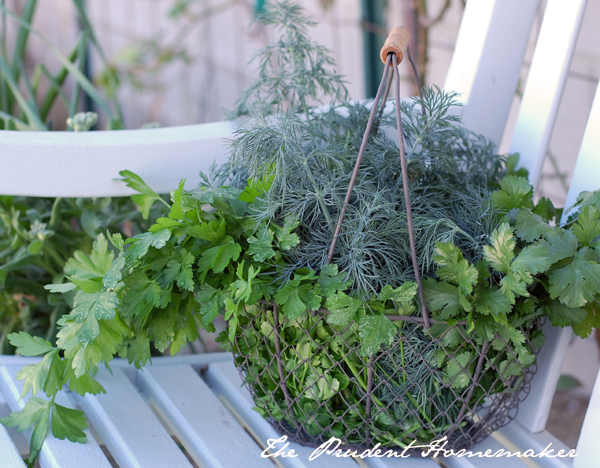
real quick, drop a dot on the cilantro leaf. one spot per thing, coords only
(406, 292)
(459, 369)
(178, 268)
(560, 243)
(512, 285)
(561, 315)
(294, 300)
(113, 276)
(27, 417)
(514, 192)
(576, 283)
(142, 242)
(343, 309)
(531, 260)
(35, 375)
(375, 330)
(60, 287)
(591, 321)
(261, 246)
(501, 251)
(587, 227)
(68, 423)
(176, 208)
(491, 301)
(443, 298)
(530, 226)
(142, 295)
(453, 268)
(210, 231)
(83, 384)
(257, 187)
(285, 237)
(331, 281)
(100, 305)
(87, 271)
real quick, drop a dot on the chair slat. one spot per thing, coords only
(587, 169)
(545, 83)
(587, 446)
(205, 427)
(487, 61)
(55, 453)
(533, 412)
(225, 380)
(85, 164)
(518, 439)
(490, 446)
(10, 456)
(132, 433)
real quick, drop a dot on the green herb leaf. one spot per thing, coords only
(576, 283)
(343, 309)
(375, 330)
(561, 315)
(68, 423)
(28, 345)
(404, 293)
(587, 227)
(453, 268)
(146, 198)
(218, 257)
(442, 298)
(516, 192)
(530, 226)
(261, 247)
(501, 251)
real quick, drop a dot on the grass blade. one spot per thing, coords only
(57, 83)
(32, 116)
(81, 58)
(19, 124)
(56, 91)
(79, 5)
(83, 81)
(23, 36)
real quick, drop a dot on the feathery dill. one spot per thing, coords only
(310, 155)
(293, 71)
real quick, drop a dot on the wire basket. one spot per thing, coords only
(436, 382)
(400, 395)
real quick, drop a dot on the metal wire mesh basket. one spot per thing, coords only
(436, 382)
(312, 392)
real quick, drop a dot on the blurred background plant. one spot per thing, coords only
(39, 235)
(28, 96)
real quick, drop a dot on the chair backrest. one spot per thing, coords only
(487, 77)
(485, 68)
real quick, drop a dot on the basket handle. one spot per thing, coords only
(392, 54)
(396, 43)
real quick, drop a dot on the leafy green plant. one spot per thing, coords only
(27, 99)
(38, 236)
(251, 241)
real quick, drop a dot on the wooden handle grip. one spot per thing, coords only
(396, 42)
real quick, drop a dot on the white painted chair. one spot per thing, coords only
(198, 398)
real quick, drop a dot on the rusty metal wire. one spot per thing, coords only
(309, 381)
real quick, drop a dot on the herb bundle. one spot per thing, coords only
(318, 344)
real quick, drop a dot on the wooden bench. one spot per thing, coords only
(198, 399)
